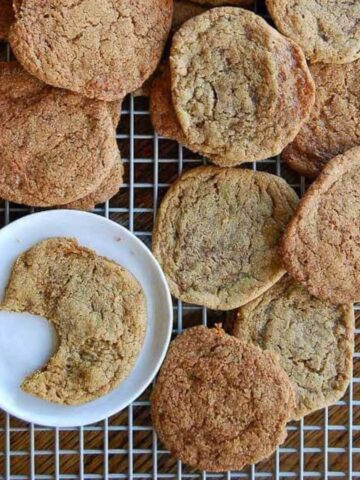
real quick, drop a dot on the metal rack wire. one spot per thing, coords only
(325, 445)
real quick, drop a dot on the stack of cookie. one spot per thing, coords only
(61, 102)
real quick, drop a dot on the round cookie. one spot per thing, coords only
(241, 91)
(216, 235)
(334, 124)
(6, 18)
(327, 31)
(98, 310)
(56, 146)
(102, 49)
(321, 245)
(313, 338)
(219, 403)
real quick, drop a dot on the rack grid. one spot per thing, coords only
(324, 445)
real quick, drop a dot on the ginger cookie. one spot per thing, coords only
(98, 310)
(108, 189)
(334, 124)
(219, 403)
(216, 235)
(327, 31)
(241, 91)
(55, 146)
(313, 338)
(102, 50)
(6, 18)
(321, 245)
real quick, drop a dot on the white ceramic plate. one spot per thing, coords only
(26, 342)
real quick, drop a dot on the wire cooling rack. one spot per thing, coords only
(324, 445)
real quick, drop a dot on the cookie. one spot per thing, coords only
(328, 32)
(101, 50)
(56, 146)
(216, 235)
(98, 310)
(241, 91)
(321, 245)
(108, 189)
(334, 124)
(219, 403)
(313, 338)
(6, 18)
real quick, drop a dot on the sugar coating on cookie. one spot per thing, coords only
(219, 403)
(241, 90)
(313, 338)
(216, 235)
(334, 123)
(98, 309)
(55, 146)
(6, 18)
(327, 31)
(321, 245)
(101, 49)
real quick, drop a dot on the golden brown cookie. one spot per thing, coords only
(98, 310)
(219, 403)
(102, 50)
(216, 235)
(55, 146)
(321, 245)
(313, 338)
(334, 124)
(241, 91)
(6, 18)
(327, 31)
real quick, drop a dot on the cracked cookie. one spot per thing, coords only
(219, 403)
(241, 91)
(334, 123)
(321, 245)
(6, 18)
(313, 338)
(98, 310)
(216, 235)
(327, 31)
(102, 49)
(55, 146)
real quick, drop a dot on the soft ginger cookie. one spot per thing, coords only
(216, 235)
(98, 310)
(241, 90)
(219, 403)
(101, 49)
(55, 146)
(334, 124)
(313, 338)
(6, 18)
(321, 245)
(327, 31)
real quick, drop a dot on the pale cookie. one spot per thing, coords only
(55, 146)
(327, 30)
(101, 49)
(6, 18)
(98, 310)
(241, 91)
(321, 245)
(216, 235)
(313, 338)
(219, 403)
(334, 124)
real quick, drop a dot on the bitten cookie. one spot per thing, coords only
(321, 245)
(55, 146)
(102, 49)
(98, 310)
(241, 91)
(327, 31)
(6, 18)
(219, 403)
(216, 235)
(334, 124)
(313, 338)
